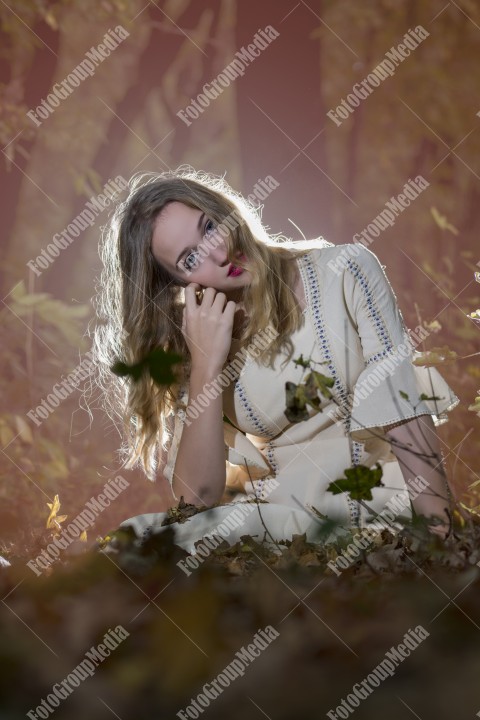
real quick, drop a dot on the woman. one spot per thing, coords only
(190, 268)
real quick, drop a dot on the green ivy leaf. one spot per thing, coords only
(157, 363)
(311, 395)
(428, 397)
(123, 370)
(299, 396)
(302, 362)
(358, 482)
(322, 383)
(296, 402)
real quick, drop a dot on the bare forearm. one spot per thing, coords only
(417, 449)
(200, 469)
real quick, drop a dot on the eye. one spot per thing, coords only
(191, 260)
(209, 228)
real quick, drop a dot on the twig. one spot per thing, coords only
(267, 531)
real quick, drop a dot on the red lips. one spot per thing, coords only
(233, 269)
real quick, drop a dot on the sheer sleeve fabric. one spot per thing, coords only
(388, 389)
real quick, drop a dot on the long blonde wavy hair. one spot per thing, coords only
(140, 304)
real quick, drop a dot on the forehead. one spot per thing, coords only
(174, 229)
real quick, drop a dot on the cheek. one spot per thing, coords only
(206, 272)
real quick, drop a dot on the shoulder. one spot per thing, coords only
(348, 258)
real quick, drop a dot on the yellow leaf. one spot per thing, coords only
(83, 536)
(23, 429)
(442, 222)
(433, 326)
(472, 510)
(54, 519)
(436, 356)
(51, 20)
(476, 406)
(54, 507)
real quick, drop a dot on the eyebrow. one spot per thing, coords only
(199, 225)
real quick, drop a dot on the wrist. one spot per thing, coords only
(204, 372)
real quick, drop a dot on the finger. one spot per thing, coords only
(220, 300)
(191, 291)
(208, 296)
(229, 311)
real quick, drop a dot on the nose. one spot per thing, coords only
(217, 249)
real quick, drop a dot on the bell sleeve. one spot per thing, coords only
(243, 460)
(388, 389)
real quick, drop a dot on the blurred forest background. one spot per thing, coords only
(272, 121)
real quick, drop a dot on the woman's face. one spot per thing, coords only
(179, 244)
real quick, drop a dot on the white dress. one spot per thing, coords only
(352, 324)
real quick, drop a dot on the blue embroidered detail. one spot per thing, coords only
(271, 458)
(341, 391)
(353, 505)
(379, 356)
(356, 452)
(372, 309)
(313, 291)
(250, 413)
(354, 508)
